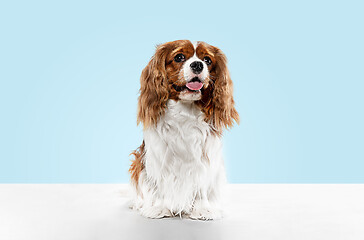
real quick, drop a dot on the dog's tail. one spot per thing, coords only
(137, 164)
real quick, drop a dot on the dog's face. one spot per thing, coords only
(183, 71)
(190, 68)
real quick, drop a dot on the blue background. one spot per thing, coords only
(70, 72)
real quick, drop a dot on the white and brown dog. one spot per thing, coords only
(185, 103)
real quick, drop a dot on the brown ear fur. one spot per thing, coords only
(223, 112)
(153, 89)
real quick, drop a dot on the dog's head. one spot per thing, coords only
(195, 73)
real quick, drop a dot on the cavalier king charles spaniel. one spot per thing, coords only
(185, 103)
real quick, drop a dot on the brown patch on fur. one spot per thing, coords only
(137, 164)
(205, 156)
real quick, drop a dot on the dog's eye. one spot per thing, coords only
(207, 60)
(179, 57)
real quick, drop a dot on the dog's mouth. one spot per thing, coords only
(194, 85)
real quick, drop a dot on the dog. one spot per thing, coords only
(185, 103)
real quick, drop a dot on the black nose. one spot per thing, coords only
(196, 67)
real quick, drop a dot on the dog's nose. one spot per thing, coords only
(196, 67)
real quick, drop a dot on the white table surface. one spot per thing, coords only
(253, 211)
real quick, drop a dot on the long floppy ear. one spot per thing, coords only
(223, 106)
(153, 89)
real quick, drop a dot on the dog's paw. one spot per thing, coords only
(205, 214)
(155, 212)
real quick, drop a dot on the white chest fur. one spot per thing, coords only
(183, 160)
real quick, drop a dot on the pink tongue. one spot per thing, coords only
(194, 85)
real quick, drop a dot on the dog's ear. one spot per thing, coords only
(223, 114)
(153, 89)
